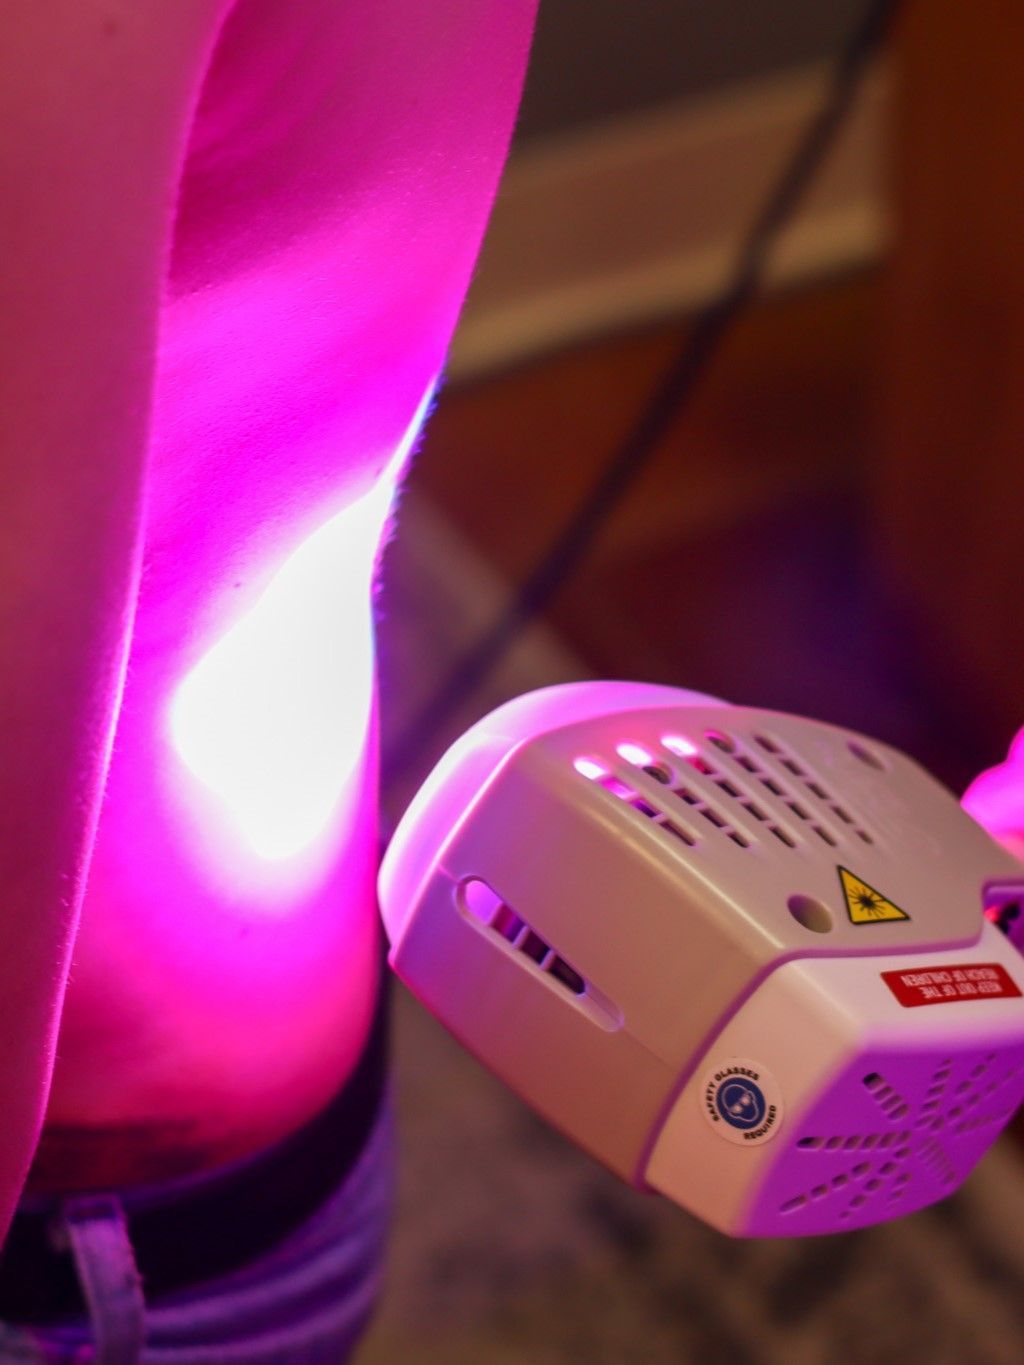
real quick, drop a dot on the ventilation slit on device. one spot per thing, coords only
(561, 971)
(597, 772)
(887, 1097)
(483, 905)
(720, 741)
(534, 947)
(507, 923)
(670, 827)
(659, 772)
(650, 803)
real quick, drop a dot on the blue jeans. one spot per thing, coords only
(307, 1302)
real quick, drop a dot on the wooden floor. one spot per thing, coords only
(742, 564)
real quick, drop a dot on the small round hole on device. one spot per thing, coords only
(811, 913)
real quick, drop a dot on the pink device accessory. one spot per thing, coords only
(748, 960)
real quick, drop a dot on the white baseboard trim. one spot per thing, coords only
(639, 220)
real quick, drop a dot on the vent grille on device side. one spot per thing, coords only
(705, 781)
(926, 1146)
(488, 909)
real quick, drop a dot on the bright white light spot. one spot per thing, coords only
(676, 744)
(634, 754)
(274, 717)
(589, 767)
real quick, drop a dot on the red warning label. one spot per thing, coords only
(946, 985)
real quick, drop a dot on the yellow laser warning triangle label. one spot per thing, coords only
(864, 904)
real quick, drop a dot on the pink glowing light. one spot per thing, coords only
(273, 718)
(676, 744)
(635, 754)
(589, 767)
(996, 799)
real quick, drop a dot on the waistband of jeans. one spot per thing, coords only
(188, 1231)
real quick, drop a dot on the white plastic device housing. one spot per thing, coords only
(607, 933)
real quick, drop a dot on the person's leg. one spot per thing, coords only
(340, 168)
(199, 1272)
(329, 191)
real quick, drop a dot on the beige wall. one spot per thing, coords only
(597, 59)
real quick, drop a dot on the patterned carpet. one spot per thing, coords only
(512, 1247)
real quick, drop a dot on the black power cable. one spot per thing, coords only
(668, 401)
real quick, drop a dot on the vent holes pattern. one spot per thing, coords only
(731, 769)
(673, 828)
(852, 1142)
(922, 1157)
(811, 784)
(665, 819)
(963, 1119)
(889, 1100)
(852, 1184)
(934, 1157)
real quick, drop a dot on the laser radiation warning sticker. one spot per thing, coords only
(864, 904)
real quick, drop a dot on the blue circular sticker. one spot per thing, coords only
(741, 1101)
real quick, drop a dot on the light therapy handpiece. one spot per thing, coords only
(738, 956)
